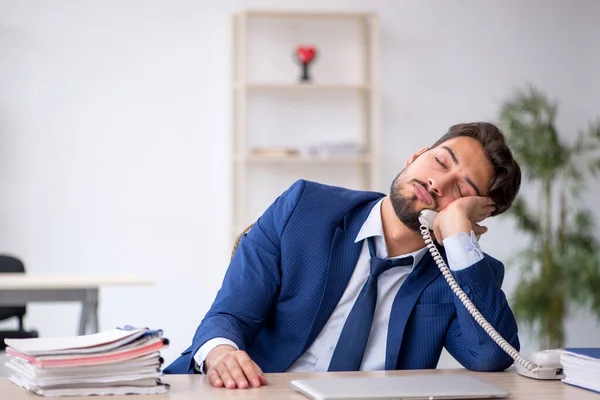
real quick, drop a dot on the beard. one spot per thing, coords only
(405, 206)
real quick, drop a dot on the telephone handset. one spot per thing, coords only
(540, 365)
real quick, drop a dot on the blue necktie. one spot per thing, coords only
(352, 343)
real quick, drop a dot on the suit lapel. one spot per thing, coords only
(423, 274)
(343, 256)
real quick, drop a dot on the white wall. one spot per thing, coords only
(114, 124)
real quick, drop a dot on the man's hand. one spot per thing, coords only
(463, 215)
(229, 367)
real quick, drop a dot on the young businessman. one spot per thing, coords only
(331, 279)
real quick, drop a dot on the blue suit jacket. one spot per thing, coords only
(291, 269)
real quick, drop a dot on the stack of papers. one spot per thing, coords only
(582, 367)
(116, 362)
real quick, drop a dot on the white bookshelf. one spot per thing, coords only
(273, 110)
(302, 87)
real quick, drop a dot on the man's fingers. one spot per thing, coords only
(479, 230)
(236, 369)
(485, 205)
(486, 201)
(479, 214)
(262, 379)
(249, 370)
(261, 375)
(225, 375)
(490, 207)
(214, 378)
(236, 372)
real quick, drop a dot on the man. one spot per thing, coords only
(331, 279)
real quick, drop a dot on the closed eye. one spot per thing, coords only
(441, 163)
(459, 191)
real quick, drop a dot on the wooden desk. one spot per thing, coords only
(18, 289)
(194, 387)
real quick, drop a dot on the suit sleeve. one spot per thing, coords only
(252, 281)
(466, 340)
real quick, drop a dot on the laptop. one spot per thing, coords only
(405, 387)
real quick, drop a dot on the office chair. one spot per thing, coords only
(10, 264)
(239, 239)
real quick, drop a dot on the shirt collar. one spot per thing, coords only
(373, 227)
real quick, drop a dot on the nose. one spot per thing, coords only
(434, 186)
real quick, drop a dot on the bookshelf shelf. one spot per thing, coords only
(301, 159)
(301, 87)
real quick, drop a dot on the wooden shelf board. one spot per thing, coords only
(306, 14)
(301, 159)
(302, 87)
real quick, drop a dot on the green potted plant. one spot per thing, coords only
(560, 266)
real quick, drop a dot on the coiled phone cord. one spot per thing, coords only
(511, 351)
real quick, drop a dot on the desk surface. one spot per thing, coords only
(28, 281)
(193, 387)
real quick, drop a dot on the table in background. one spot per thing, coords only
(194, 387)
(18, 289)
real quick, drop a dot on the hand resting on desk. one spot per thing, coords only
(229, 367)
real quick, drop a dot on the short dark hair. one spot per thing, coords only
(507, 173)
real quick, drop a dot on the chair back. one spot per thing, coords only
(239, 239)
(10, 264)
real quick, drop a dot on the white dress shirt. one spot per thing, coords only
(462, 251)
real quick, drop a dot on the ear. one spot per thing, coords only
(414, 156)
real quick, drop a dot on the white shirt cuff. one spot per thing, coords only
(462, 251)
(206, 348)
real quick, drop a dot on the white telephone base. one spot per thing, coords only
(548, 362)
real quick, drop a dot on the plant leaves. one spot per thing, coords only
(526, 220)
(561, 264)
